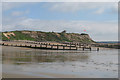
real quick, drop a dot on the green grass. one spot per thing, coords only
(19, 36)
(49, 36)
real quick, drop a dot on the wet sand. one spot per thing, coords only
(9, 75)
(36, 63)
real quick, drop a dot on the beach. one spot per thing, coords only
(37, 63)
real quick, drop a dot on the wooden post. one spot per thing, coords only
(63, 47)
(75, 44)
(97, 49)
(40, 45)
(70, 46)
(90, 48)
(79, 45)
(83, 48)
(51, 46)
(57, 46)
(46, 45)
(76, 48)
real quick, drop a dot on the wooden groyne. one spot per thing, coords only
(40, 45)
(48, 45)
(79, 45)
(84, 46)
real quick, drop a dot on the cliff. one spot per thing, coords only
(46, 36)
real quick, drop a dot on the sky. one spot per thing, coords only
(98, 19)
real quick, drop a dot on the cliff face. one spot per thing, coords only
(48, 36)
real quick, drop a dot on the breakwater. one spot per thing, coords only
(48, 45)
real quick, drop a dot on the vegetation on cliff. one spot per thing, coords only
(46, 36)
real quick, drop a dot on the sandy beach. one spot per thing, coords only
(37, 63)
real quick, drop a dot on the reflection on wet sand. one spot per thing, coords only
(38, 57)
(37, 63)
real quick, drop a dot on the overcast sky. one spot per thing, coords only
(100, 20)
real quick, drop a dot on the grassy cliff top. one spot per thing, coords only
(46, 36)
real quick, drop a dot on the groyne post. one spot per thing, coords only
(90, 48)
(70, 46)
(97, 49)
(63, 47)
(76, 48)
(57, 46)
(83, 48)
(51, 46)
(46, 45)
(35, 46)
